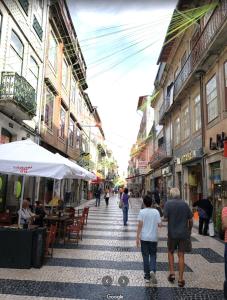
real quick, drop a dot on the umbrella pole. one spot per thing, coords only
(21, 199)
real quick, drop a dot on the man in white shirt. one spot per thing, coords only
(26, 215)
(147, 235)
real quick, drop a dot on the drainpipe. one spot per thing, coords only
(200, 74)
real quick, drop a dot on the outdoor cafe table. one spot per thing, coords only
(22, 248)
(61, 222)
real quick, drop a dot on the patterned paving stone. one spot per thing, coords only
(82, 263)
(99, 292)
(108, 249)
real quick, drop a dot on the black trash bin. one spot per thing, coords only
(38, 247)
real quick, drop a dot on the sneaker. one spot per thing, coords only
(147, 280)
(153, 278)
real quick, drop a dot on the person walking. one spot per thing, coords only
(179, 218)
(125, 200)
(147, 235)
(156, 195)
(205, 210)
(107, 196)
(98, 192)
(121, 190)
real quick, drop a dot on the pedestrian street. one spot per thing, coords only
(107, 265)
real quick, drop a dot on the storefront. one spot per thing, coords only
(192, 176)
(167, 179)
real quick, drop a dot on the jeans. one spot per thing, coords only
(97, 201)
(205, 223)
(149, 253)
(125, 214)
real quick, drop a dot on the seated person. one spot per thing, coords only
(40, 214)
(25, 214)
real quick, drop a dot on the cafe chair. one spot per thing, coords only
(74, 230)
(51, 235)
(85, 212)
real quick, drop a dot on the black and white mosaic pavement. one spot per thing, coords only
(107, 265)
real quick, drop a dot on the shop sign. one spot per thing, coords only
(188, 156)
(166, 171)
(142, 164)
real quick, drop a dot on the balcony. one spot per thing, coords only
(163, 110)
(161, 156)
(17, 96)
(208, 45)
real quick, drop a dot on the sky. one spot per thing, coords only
(121, 42)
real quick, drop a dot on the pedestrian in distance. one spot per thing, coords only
(179, 218)
(205, 210)
(107, 196)
(156, 195)
(98, 192)
(147, 236)
(125, 200)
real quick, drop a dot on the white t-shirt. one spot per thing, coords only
(150, 218)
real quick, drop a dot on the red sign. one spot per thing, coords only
(23, 170)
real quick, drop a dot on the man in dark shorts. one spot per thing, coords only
(179, 217)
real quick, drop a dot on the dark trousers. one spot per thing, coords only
(149, 253)
(203, 226)
(97, 201)
(107, 201)
(125, 214)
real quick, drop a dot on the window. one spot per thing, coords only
(78, 138)
(177, 131)
(212, 99)
(185, 123)
(62, 123)
(34, 73)
(183, 59)
(53, 51)
(225, 76)
(49, 108)
(64, 73)
(73, 92)
(197, 113)
(16, 53)
(71, 132)
(38, 4)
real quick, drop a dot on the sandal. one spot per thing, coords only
(181, 283)
(171, 278)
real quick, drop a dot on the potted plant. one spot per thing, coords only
(218, 225)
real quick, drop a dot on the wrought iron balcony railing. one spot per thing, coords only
(18, 90)
(163, 109)
(161, 155)
(203, 43)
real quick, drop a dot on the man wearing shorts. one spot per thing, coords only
(179, 217)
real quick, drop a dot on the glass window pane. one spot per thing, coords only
(15, 61)
(17, 44)
(64, 73)
(53, 51)
(49, 108)
(34, 73)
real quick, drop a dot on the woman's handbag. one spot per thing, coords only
(121, 204)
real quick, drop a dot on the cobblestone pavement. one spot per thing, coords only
(107, 265)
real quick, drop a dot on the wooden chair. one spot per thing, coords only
(51, 235)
